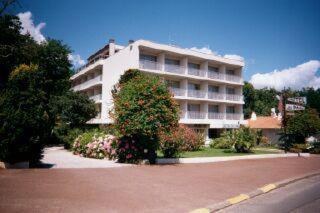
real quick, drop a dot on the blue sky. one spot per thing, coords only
(270, 35)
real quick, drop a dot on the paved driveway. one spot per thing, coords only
(169, 188)
(58, 157)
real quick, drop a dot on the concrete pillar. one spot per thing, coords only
(222, 70)
(204, 88)
(204, 66)
(204, 109)
(184, 64)
(184, 85)
(223, 90)
(223, 109)
(161, 61)
(184, 108)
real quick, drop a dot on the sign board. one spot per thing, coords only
(293, 107)
(298, 100)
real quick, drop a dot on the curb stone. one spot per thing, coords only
(262, 190)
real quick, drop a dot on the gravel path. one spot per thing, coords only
(58, 157)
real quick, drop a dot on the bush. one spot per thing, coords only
(245, 139)
(95, 144)
(182, 139)
(143, 107)
(242, 140)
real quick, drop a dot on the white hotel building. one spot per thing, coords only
(208, 88)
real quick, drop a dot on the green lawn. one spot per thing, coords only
(210, 152)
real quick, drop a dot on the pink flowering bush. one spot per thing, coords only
(95, 145)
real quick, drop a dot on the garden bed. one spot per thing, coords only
(211, 152)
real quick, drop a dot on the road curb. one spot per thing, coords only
(259, 191)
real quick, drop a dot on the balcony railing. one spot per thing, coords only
(91, 62)
(197, 72)
(233, 78)
(88, 83)
(151, 65)
(233, 116)
(196, 115)
(196, 93)
(96, 98)
(215, 95)
(174, 68)
(178, 91)
(216, 115)
(215, 75)
(233, 97)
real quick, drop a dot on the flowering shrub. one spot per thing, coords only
(181, 139)
(95, 146)
(143, 107)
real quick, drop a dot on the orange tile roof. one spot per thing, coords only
(264, 123)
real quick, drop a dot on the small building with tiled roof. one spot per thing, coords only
(269, 125)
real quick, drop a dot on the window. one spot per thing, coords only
(213, 108)
(148, 57)
(213, 69)
(194, 107)
(231, 109)
(172, 61)
(193, 86)
(212, 88)
(230, 72)
(231, 91)
(194, 66)
(173, 84)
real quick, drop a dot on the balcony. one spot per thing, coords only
(174, 68)
(91, 62)
(216, 115)
(89, 83)
(215, 95)
(215, 75)
(96, 98)
(196, 93)
(178, 91)
(233, 97)
(233, 116)
(196, 115)
(233, 78)
(197, 72)
(151, 65)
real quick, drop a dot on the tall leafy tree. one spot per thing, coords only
(249, 99)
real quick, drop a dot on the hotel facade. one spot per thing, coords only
(208, 88)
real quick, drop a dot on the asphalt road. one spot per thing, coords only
(302, 196)
(165, 188)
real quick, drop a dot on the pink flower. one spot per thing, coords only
(129, 156)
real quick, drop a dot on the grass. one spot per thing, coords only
(210, 152)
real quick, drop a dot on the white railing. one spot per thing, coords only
(216, 115)
(196, 93)
(88, 83)
(174, 68)
(215, 75)
(196, 115)
(178, 91)
(96, 98)
(91, 62)
(233, 116)
(233, 78)
(151, 65)
(215, 95)
(197, 72)
(233, 97)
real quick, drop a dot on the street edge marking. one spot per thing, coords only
(238, 199)
(268, 187)
(263, 190)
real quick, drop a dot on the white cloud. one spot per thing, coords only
(76, 60)
(205, 50)
(29, 27)
(303, 75)
(234, 57)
